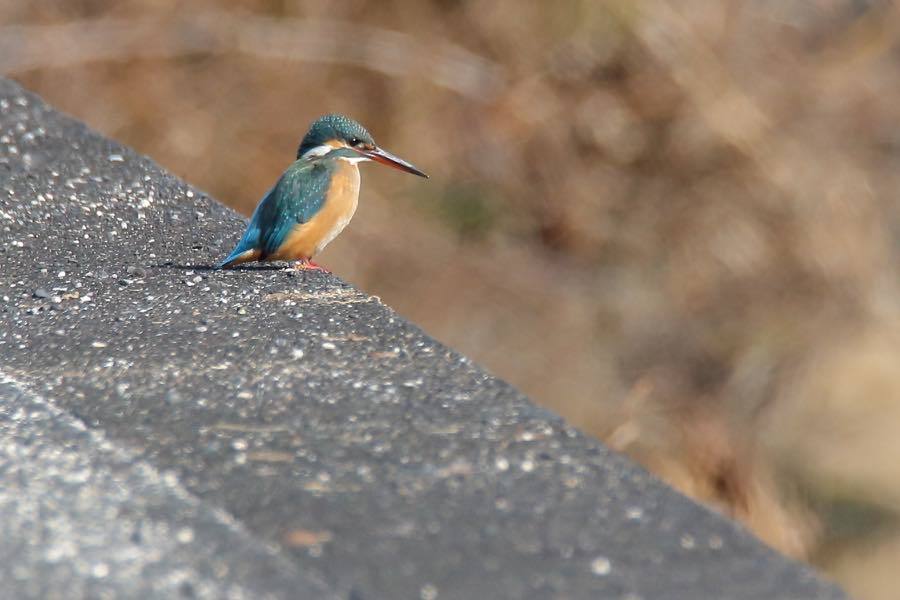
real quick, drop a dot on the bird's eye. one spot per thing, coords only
(354, 141)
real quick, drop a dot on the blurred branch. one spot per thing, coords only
(870, 37)
(28, 47)
(698, 70)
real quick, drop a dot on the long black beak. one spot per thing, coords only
(386, 158)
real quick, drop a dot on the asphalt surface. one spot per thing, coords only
(171, 431)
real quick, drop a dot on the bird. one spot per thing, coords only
(315, 197)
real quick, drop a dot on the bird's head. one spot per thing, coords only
(337, 136)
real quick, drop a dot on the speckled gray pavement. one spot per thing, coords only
(171, 431)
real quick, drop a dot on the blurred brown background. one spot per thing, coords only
(673, 222)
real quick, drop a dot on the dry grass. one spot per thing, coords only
(675, 223)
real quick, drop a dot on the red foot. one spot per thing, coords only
(308, 265)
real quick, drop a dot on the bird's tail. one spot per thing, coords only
(246, 249)
(238, 256)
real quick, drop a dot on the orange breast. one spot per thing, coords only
(309, 238)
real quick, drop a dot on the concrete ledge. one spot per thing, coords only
(167, 430)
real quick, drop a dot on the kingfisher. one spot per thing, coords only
(316, 196)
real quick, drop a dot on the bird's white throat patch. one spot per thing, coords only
(354, 160)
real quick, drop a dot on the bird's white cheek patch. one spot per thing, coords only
(317, 151)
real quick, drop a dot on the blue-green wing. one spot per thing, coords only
(297, 196)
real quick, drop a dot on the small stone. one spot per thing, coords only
(634, 513)
(185, 535)
(601, 566)
(41, 293)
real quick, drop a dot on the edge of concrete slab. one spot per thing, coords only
(263, 433)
